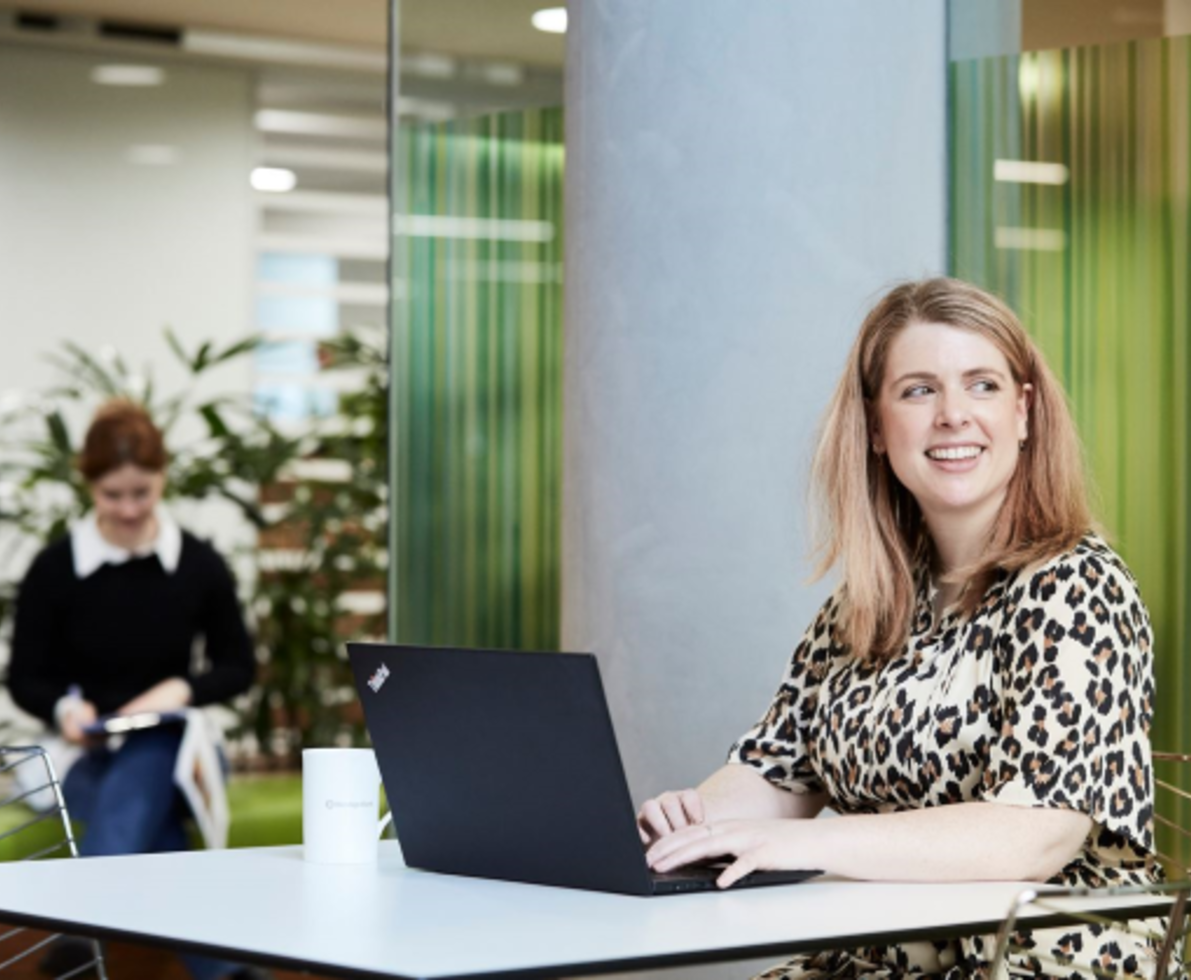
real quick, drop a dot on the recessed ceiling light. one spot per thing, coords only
(552, 20)
(150, 155)
(428, 65)
(275, 179)
(1031, 239)
(137, 76)
(1030, 172)
(498, 73)
(444, 226)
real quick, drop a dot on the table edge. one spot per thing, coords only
(658, 961)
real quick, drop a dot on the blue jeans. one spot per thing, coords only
(129, 803)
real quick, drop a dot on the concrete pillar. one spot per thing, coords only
(742, 180)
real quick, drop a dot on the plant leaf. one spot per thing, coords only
(90, 369)
(166, 415)
(121, 368)
(201, 356)
(59, 435)
(239, 347)
(250, 508)
(215, 424)
(175, 345)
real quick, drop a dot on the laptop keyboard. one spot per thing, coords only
(689, 874)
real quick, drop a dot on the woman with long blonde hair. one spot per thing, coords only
(975, 697)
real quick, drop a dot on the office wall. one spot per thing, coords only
(122, 210)
(742, 181)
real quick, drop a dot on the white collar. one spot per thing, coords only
(92, 550)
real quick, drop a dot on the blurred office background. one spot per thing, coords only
(221, 171)
(741, 181)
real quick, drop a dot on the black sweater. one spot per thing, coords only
(124, 628)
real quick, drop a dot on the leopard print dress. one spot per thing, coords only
(1042, 698)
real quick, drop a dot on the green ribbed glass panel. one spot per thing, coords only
(477, 375)
(1098, 267)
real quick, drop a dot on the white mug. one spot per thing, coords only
(340, 802)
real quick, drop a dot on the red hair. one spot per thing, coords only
(121, 433)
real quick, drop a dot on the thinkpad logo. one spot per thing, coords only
(377, 680)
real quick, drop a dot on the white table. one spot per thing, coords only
(268, 905)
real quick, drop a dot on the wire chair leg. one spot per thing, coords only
(1178, 916)
(38, 759)
(1000, 960)
(101, 967)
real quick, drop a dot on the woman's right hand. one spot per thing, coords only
(669, 812)
(75, 719)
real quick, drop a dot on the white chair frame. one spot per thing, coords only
(18, 944)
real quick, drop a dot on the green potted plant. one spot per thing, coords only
(307, 696)
(336, 530)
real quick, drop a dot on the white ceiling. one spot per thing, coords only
(495, 29)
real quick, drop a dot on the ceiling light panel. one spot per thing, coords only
(551, 20)
(152, 155)
(1029, 172)
(277, 180)
(129, 76)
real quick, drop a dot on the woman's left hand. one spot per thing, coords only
(172, 694)
(756, 845)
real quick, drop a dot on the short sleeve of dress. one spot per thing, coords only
(776, 746)
(1076, 695)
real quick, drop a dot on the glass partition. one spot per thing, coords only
(1071, 179)
(477, 372)
(476, 323)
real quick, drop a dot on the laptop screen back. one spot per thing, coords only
(501, 764)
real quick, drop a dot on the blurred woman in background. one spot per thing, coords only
(107, 623)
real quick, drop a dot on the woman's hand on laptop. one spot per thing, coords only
(670, 812)
(747, 846)
(732, 792)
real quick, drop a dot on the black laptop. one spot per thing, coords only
(504, 765)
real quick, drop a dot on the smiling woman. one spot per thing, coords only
(949, 365)
(975, 699)
(952, 421)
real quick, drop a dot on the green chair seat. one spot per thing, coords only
(266, 810)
